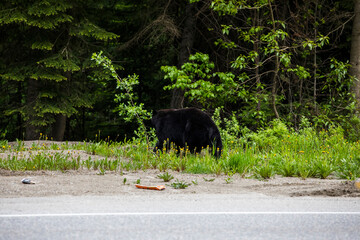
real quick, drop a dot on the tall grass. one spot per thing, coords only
(275, 150)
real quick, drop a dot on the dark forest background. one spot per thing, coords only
(253, 60)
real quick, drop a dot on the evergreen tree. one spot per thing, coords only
(45, 48)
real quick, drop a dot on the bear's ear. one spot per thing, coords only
(154, 112)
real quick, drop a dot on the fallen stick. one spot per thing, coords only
(160, 187)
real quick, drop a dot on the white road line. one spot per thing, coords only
(171, 213)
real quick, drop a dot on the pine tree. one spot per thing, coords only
(45, 48)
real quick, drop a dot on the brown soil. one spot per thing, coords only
(84, 182)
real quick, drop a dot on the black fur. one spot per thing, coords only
(188, 127)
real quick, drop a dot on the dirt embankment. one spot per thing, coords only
(91, 183)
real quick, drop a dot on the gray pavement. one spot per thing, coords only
(180, 216)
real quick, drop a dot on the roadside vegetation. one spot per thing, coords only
(284, 98)
(275, 150)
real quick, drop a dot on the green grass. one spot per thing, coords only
(180, 184)
(167, 177)
(265, 154)
(41, 161)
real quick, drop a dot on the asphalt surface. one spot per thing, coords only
(180, 216)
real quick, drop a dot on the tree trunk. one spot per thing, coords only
(257, 64)
(59, 127)
(274, 87)
(187, 42)
(31, 131)
(19, 98)
(276, 71)
(355, 54)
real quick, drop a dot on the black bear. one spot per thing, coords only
(188, 127)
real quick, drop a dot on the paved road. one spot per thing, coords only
(192, 216)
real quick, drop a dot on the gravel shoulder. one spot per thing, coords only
(85, 182)
(78, 183)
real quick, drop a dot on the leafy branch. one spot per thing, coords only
(129, 109)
